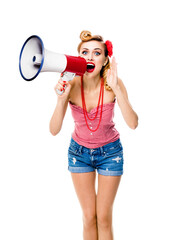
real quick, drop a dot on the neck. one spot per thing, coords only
(91, 84)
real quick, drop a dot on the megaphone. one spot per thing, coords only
(34, 58)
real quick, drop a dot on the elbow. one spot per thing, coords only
(53, 131)
(134, 125)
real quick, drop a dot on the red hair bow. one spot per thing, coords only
(109, 46)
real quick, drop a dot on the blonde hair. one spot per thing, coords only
(86, 36)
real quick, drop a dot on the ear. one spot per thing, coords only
(105, 62)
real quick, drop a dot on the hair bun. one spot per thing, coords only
(85, 35)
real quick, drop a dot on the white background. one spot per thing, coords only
(37, 198)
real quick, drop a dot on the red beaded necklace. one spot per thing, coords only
(84, 105)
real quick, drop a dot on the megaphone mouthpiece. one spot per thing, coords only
(76, 65)
(37, 59)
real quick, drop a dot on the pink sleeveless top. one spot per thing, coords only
(106, 132)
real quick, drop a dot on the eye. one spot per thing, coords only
(97, 53)
(84, 52)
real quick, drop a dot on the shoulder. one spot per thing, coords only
(74, 82)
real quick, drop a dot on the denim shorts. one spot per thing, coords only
(108, 159)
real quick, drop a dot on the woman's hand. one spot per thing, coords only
(64, 87)
(112, 78)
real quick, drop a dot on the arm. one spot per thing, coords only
(127, 111)
(60, 110)
(120, 91)
(57, 117)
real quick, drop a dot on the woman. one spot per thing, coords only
(95, 142)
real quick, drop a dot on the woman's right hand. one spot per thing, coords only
(62, 86)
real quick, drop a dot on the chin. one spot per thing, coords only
(92, 74)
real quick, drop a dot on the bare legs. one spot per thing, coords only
(107, 189)
(84, 184)
(97, 209)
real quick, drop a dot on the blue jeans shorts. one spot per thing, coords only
(108, 159)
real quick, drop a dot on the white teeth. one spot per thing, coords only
(90, 65)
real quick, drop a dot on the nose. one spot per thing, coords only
(90, 57)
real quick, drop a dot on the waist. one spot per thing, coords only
(98, 150)
(96, 139)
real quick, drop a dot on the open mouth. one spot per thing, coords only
(90, 67)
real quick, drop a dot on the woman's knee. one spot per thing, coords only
(104, 219)
(89, 218)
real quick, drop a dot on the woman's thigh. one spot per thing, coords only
(84, 184)
(107, 189)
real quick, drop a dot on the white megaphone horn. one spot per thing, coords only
(34, 58)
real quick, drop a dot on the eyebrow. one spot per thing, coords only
(94, 49)
(97, 49)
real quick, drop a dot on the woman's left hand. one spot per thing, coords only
(112, 79)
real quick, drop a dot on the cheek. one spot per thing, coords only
(99, 63)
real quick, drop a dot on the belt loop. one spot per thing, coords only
(80, 149)
(101, 150)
